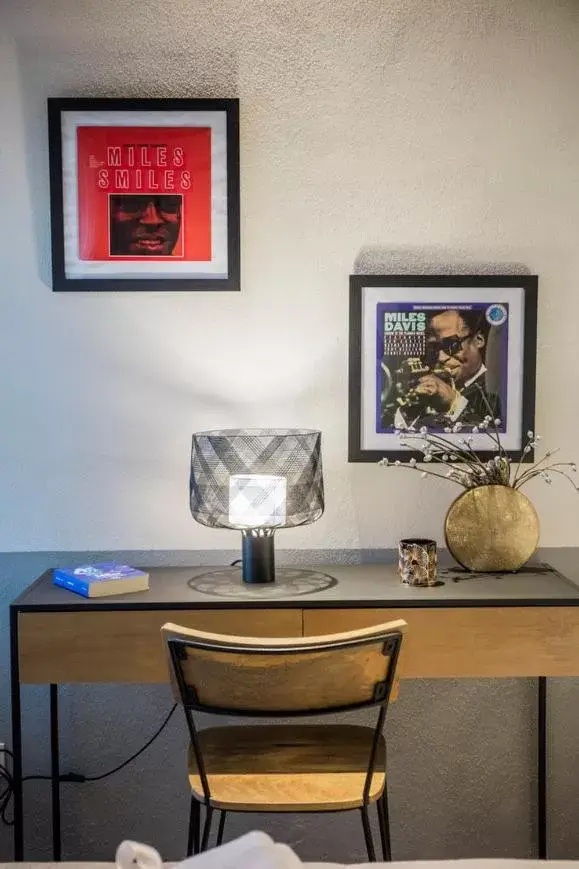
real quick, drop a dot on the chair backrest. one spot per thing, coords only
(286, 676)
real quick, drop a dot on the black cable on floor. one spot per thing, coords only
(74, 777)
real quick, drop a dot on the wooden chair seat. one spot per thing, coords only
(288, 768)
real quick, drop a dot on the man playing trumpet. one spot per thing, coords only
(450, 384)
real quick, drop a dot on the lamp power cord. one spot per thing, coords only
(8, 782)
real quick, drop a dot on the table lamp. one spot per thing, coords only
(257, 480)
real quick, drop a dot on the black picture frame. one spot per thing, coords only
(220, 270)
(364, 444)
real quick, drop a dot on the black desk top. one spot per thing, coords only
(329, 586)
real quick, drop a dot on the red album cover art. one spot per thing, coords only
(144, 193)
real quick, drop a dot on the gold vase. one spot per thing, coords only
(491, 528)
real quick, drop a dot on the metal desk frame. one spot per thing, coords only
(46, 622)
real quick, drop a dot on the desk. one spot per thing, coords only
(470, 626)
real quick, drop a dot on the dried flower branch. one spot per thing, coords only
(467, 469)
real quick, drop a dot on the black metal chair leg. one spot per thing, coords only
(221, 827)
(194, 831)
(384, 823)
(207, 828)
(368, 834)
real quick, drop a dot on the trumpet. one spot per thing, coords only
(408, 377)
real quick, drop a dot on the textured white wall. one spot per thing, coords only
(408, 134)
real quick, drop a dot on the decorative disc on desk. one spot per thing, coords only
(460, 574)
(289, 582)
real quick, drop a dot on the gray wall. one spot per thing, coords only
(462, 757)
(400, 136)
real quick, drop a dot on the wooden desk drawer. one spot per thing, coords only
(472, 642)
(126, 646)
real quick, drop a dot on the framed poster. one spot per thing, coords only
(435, 351)
(144, 194)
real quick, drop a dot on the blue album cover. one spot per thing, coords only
(438, 364)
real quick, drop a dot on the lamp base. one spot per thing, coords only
(258, 560)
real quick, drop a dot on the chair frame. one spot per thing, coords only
(198, 838)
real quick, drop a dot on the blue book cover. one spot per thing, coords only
(97, 580)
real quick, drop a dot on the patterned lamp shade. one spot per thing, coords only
(258, 479)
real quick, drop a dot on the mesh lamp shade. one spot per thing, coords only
(257, 480)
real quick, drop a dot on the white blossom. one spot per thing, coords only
(498, 467)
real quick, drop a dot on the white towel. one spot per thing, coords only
(252, 851)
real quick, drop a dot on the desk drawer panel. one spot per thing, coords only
(472, 642)
(126, 646)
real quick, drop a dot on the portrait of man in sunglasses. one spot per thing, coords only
(144, 225)
(451, 384)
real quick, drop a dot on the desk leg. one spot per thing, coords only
(16, 738)
(55, 774)
(542, 767)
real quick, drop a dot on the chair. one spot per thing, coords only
(281, 767)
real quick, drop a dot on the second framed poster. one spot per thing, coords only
(144, 194)
(431, 351)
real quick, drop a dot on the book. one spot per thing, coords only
(99, 580)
